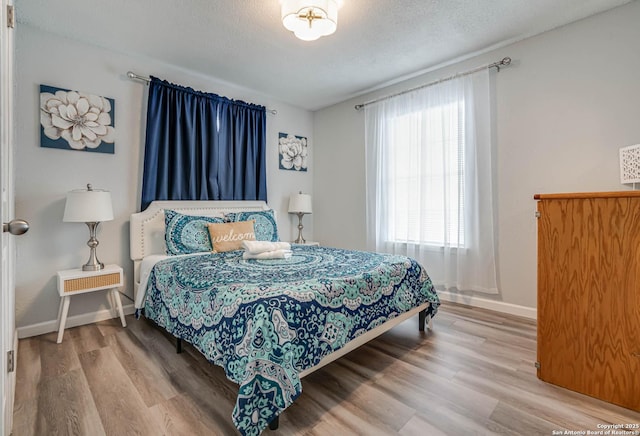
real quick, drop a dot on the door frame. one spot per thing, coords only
(8, 337)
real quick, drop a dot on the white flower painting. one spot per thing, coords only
(73, 120)
(293, 152)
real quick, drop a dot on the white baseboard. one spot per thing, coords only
(72, 321)
(484, 303)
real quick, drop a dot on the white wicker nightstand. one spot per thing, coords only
(75, 281)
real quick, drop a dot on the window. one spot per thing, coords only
(429, 180)
(425, 177)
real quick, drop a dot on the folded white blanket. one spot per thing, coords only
(275, 254)
(256, 247)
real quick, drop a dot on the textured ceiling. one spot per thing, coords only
(243, 41)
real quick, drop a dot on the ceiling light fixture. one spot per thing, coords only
(310, 19)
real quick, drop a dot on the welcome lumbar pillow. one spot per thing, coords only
(229, 236)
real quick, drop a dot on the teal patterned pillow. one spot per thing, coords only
(265, 227)
(186, 234)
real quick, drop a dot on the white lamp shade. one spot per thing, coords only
(300, 203)
(324, 12)
(85, 206)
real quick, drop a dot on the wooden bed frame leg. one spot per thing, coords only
(178, 345)
(273, 425)
(422, 319)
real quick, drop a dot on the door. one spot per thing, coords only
(7, 251)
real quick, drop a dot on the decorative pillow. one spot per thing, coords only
(229, 236)
(186, 234)
(266, 228)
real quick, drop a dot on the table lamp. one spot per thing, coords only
(91, 207)
(630, 164)
(300, 204)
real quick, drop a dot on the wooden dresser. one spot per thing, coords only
(589, 294)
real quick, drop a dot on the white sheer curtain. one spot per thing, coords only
(429, 181)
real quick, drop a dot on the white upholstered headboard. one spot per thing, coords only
(147, 227)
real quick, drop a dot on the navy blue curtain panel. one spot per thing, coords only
(201, 146)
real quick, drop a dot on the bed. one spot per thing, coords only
(270, 323)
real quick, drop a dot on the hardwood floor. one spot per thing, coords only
(472, 375)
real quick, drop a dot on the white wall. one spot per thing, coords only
(563, 109)
(43, 176)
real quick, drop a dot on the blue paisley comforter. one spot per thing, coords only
(264, 321)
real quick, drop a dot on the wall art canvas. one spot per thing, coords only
(74, 120)
(292, 152)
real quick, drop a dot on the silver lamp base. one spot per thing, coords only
(300, 239)
(93, 267)
(93, 264)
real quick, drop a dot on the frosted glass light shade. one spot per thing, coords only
(86, 205)
(300, 203)
(310, 19)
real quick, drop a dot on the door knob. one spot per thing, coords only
(16, 227)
